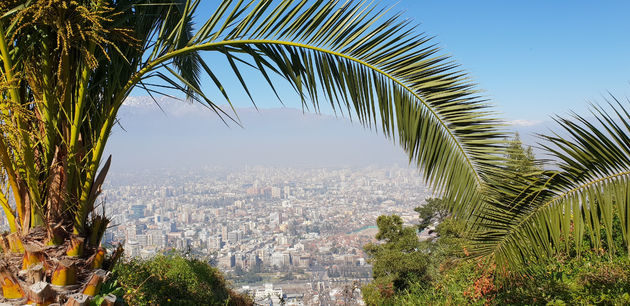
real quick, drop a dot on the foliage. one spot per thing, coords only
(465, 283)
(521, 160)
(174, 280)
(111, 286)
(456, 279)
(584, 281)
(580, 200)
(433, 211)
(403, 262)
(575, 281)
(399, 259)
(445, 278)
(567, 278)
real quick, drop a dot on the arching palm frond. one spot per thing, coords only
(564, 210)
(366, 65)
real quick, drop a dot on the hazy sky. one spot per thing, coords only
(189, 135)
(532, 58)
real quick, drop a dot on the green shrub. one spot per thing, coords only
(398, 258)
(440, 272)
(588, 280)
(174, 280)
(463, 283)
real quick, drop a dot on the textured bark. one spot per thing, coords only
(11, 288)
(40, 293)
(45, 274)
(56, 186)
(15, 243)
(78, 299)
(93, 286)
(32, 257)
(96, 261)
(4, 244)
(34, 274)
(76, 246)
(65, 274)
(110, 300)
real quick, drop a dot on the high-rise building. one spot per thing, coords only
(143, 240)
(277, 259)
(215, 242)
(224, 233)
(275, 218)
(233, 237)
(156, 238)
(275, 192)
(136, 211)
(287, 191)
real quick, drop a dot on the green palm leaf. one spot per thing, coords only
(372, 68)
(558, 209)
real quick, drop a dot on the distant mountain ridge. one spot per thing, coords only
(182, 134)
(178, 133)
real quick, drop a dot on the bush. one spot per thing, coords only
(443, 274)
(461, 283)
(577, 281)
(174, 280)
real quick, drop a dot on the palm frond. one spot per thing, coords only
(371, 67)
(572, 209)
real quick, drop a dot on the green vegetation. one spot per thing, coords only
(571, 205)
(447, 276)
(433, 211)
(403, 264)
(586, 281)
(174, 280)
(452, 273)
(398, 261)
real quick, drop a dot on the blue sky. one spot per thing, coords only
(533, 59)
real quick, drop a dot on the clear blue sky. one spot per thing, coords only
(532, 58)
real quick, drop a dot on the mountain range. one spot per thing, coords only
(169, 133)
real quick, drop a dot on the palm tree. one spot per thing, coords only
(68, 66)
(582, 203)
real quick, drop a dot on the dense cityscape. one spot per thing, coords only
(295, 234)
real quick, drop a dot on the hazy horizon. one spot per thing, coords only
(182, 135)
(191, 135)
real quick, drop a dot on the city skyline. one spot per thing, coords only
(300, 231)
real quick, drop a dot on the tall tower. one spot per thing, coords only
(224, 233)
